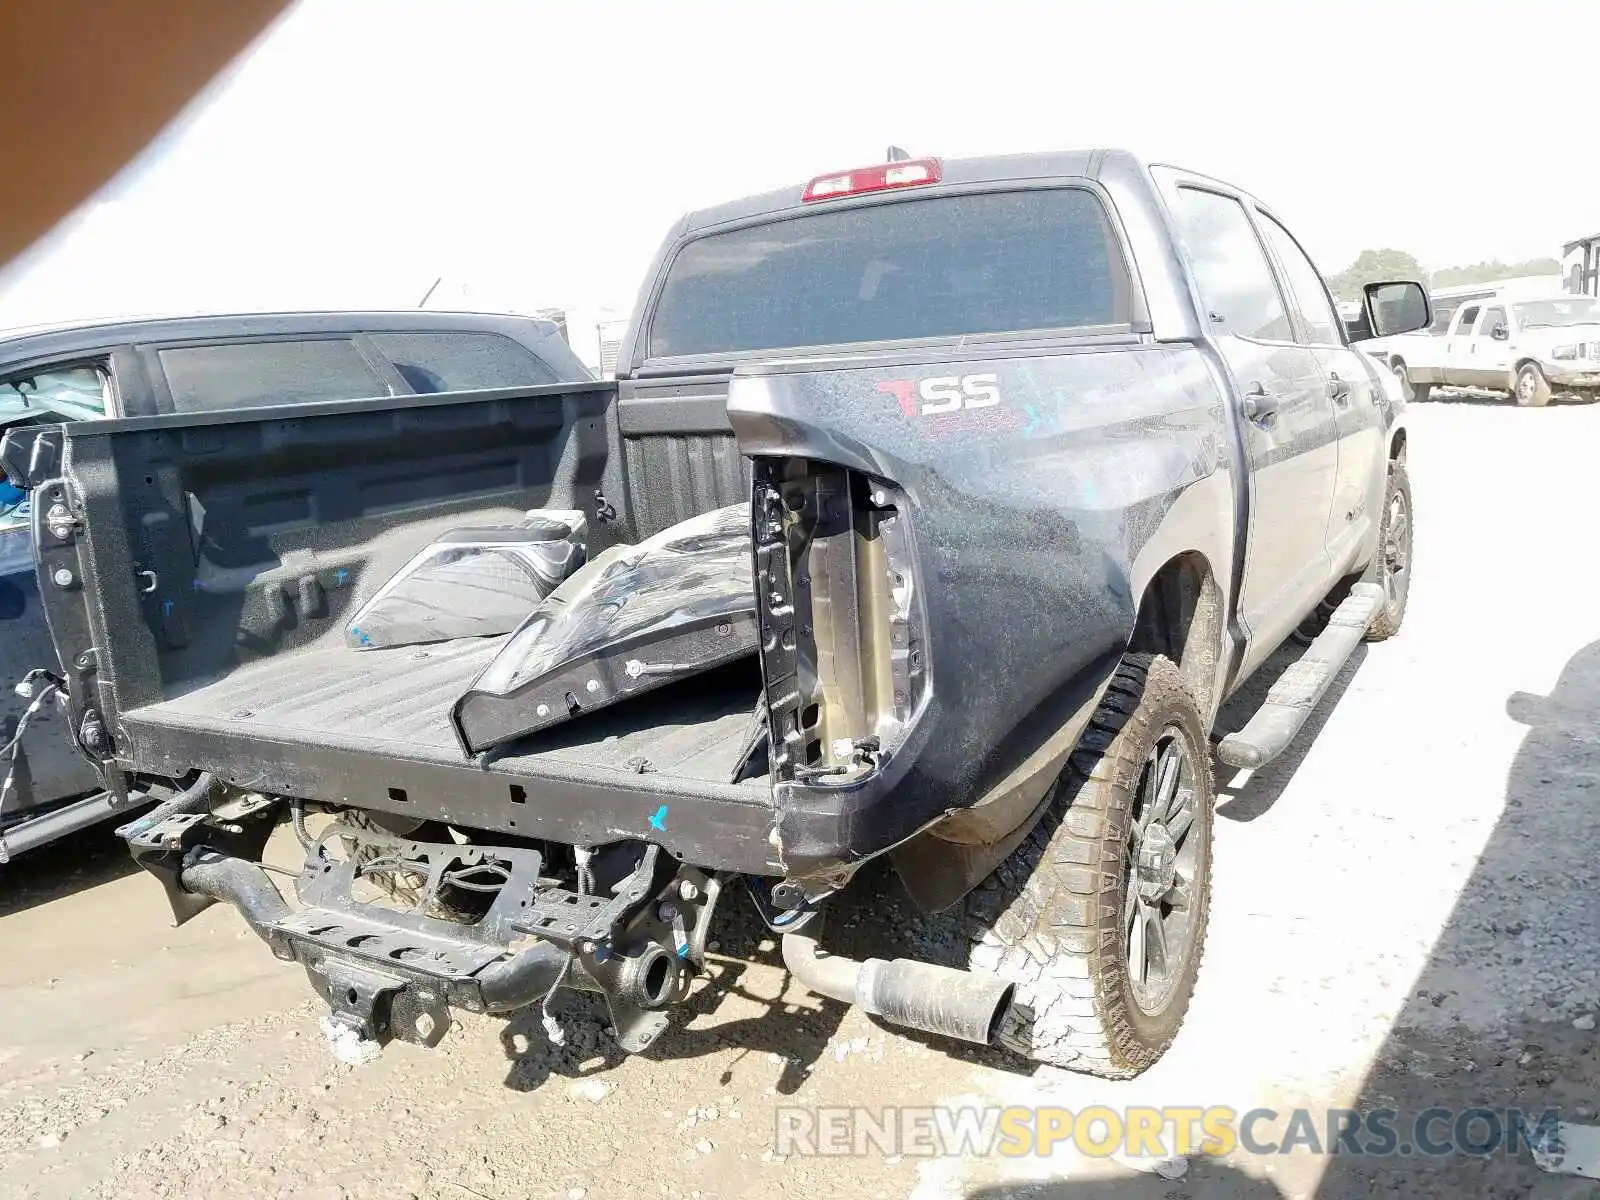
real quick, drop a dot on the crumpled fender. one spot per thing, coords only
(1045, 491)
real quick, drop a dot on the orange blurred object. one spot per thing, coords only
(87, 84)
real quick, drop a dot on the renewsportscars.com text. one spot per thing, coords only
(1100, 1131)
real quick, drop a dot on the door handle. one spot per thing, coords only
(1338, 389)
(1260, 404)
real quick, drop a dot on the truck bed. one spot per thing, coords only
(229, 551)
(395, 704)
(372, 730)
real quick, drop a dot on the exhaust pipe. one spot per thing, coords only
(934, 999)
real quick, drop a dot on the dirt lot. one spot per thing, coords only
(1403, 918)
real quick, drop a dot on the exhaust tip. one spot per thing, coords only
(935, 999)
(922, 996)
(998, 1017)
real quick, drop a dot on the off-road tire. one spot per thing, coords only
(1415, 393)
(1050, 919)
(1386, 622)
(1530, 388)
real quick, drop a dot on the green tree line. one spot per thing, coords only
(1388, 263)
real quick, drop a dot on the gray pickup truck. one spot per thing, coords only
(937, 508)
(92, 371)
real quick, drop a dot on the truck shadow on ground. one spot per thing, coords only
(75, 863)
(1519, 956)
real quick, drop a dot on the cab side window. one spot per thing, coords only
(1468, 316)
(1307, 293)
(263, 374)
(1236, 282)
(1491, 318)
(461, 362)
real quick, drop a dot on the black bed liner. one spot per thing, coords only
(396, 703)
(373, 729)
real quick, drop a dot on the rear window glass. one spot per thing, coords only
(259, 374)
(460, 362)
(941, 267)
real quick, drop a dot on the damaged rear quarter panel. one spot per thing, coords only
(1037, 520)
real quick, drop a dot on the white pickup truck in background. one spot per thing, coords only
(1527, 348)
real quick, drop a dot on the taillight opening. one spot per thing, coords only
(843, 631)
(882, 177)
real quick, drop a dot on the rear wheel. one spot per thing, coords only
(1532, 389)
(1099, 917)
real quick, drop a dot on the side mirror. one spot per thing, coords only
(1399, 306)
(1500, 333)
(1527, 709)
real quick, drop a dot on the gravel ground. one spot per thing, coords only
(1401, 919)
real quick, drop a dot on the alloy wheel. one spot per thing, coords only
(1163, 859)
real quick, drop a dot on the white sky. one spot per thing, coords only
(535, 152)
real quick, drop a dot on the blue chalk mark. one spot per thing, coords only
(197, 585)
(340, 577)
(659, 821)
(1033, 420)
(683, 951)
(166, 608)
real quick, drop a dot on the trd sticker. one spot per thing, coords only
(943, 393)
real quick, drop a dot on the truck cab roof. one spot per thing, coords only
(1136, 227)
(1102, 164)
(957, 172)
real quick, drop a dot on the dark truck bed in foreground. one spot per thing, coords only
(1036, 458)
